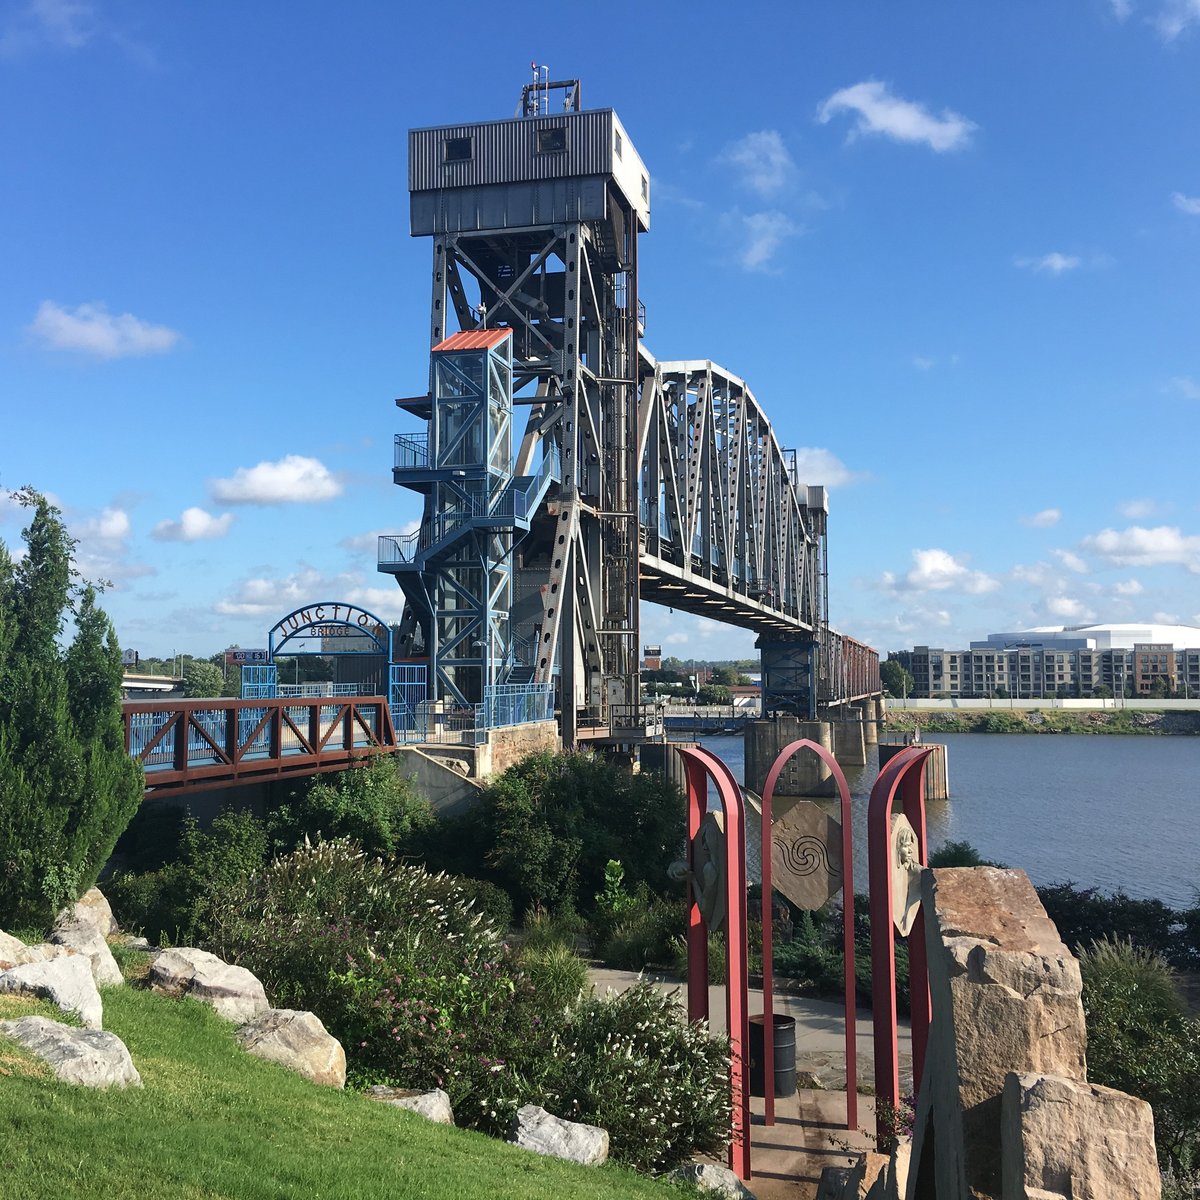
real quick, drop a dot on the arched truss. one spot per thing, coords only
(727, 530)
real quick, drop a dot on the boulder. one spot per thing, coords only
(1006, 996)
(90, 909)
(535, 1129)
(14, 953)
(298, 1041)
(138, 943)
(86, 939)
(233, 991)
(66, 981)
(712, 1180)
(1061, 1138)
(433, 1105)
(88, 1057)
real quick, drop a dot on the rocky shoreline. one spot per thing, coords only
(1006, 720)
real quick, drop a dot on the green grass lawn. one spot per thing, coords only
(212, 1121)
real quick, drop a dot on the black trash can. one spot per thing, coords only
(785, 1055)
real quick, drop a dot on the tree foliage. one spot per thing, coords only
(67, 786)
(203, 679)
(896, 680)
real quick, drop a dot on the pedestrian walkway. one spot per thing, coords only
(810, 1127)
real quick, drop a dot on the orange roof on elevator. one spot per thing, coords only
(473, 339)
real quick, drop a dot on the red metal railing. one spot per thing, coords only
(194, 745)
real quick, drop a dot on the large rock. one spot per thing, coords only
(14, 952)
(90, 909)
(535, 1129)
(86, 939)
(298, 1041)
(66, 981)
(233, 991)
(85, 1056)
(712, 1180)
(1006, 997)
(1067, 1140)
(433, 1105)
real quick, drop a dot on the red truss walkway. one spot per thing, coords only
(194, 745)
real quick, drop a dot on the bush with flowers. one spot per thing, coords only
(422, 992)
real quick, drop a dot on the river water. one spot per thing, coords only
(1108, 812)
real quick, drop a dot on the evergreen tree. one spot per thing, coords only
(67, 786)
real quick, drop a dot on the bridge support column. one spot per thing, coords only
(662, 759)
(869, 714)
(805, 774)
(849, 740)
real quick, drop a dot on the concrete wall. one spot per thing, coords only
(920, 705)
(805, 774)
(509, 745)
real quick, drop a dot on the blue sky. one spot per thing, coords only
(954, 250)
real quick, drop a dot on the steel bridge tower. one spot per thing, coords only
(535, 222)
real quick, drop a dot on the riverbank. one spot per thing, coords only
(1001, 719)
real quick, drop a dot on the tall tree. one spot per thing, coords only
(67, 786)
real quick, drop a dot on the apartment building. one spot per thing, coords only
(1137, 660)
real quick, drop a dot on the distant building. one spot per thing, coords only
(1063, 661)
(652, 658)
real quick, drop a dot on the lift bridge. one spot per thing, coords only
(627, 479)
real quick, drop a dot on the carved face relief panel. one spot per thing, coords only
(806, 855)
(906, 874)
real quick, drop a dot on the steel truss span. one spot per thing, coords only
(726, 529)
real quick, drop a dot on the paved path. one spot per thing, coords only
(810, 1127)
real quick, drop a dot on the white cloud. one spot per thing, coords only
(1043, 519)
(758, 236)
(1165, 618)
(817, 466)
(1071, 561)
(262, 596)
(112, 525)
(91, 329)
(1186, 204)
(1051, 264)
(923, 364)
(1121, 9)
(194, 525)
(937, 570)
(294, 479)
(368, 543)
(764, 160)
(880, 112)
(1128, 587)
(1069, 608)
(1176, 17)
(1183, 386)
(1164, 545)
(53, 24)
(1136, 509)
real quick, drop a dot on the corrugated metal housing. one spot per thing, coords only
(474, 159)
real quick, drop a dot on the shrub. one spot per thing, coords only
(492, 903)
(174, 904)
(1141, 1041)
(646, 936)
(632, 1065)
(557, 976)
(372, 804)
(547, 929)
(1086, 915)
(716, 957)
(547, 828)
(416, 985)
(959, 854)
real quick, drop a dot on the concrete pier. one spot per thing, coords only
(805, 774)
(937, 767)
(849, 737)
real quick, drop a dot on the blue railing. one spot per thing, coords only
(412, 451)
(516, 704)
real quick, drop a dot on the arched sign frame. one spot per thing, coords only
(313, 620)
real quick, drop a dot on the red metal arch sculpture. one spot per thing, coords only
(826, 756)
(903, 776)
(700, 766)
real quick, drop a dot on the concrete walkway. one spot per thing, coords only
(810, 1127)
